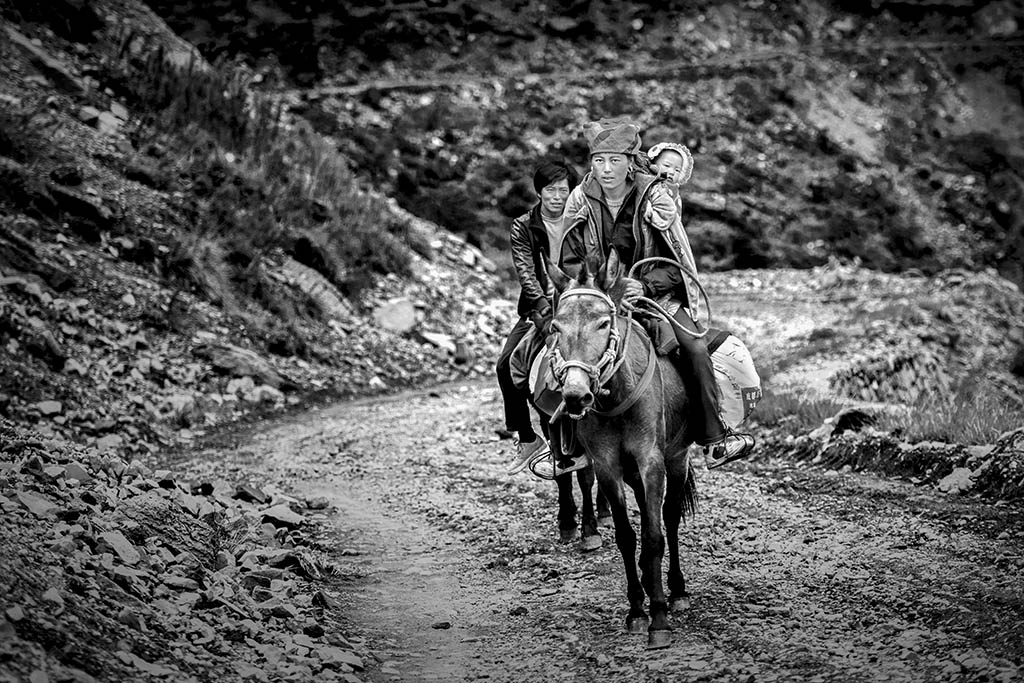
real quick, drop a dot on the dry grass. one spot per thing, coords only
(970, 414)
(793, 414)
(265, 181)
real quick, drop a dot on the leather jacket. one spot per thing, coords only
(530, 251)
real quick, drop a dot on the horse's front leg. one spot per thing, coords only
(590, 538)
(566, 508)
(566, 502)
(680, 497)
(625, 539)
(651, 499)
(604, 513)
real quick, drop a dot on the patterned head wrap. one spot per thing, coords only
(612, 136)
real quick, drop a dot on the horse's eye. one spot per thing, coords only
(555, 327)
(604, 324)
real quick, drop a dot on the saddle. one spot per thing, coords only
(531, 372)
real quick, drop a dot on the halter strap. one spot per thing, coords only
(609, 361)
(638, 390)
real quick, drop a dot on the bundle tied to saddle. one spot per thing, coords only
(739, 385)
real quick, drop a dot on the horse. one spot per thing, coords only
(629, 409)
(589, 536)
(542, 464)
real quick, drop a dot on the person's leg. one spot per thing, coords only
(694, 364)
(693, 361)
(517, 409)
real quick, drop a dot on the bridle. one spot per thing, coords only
(606, 366)
(615, 353)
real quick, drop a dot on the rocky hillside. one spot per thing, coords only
(134, 315)
(183, 247)
(883, 133)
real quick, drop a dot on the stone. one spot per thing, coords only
(53, 68)
(332, 655)
(180, 582)
(238, 386)
(957, 481)
(119, 111)
(282, 515)
(238, 362)
(52, 595)
(109, 442)
(74, 470)
(121, 546)
(264, 393)
(80, 204)
(37, 505)
(223, 560)
(49, 408)
(442, 341)
(397, 315)
(250, 494)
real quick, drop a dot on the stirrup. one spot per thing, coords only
(542, 465)
(546, 468)
(718, 453)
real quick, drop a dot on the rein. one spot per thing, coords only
(657, 308)
(615, 353)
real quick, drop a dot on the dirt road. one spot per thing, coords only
(451, 571)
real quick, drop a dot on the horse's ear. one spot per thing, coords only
(611, 271)
(583, 277)
(559, 278)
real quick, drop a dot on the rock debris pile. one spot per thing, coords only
(114, 571)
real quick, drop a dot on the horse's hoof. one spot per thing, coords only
(591, 543)
(679, 604)
(567, 535)
(637, 625)
(657, 640)
(606, 522)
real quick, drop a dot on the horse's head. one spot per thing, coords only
(585, 340)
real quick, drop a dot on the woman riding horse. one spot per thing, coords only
(616, 206)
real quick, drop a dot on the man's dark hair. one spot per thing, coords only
(551, 171)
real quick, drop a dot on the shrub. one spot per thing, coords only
(280, 185)
(971, 413)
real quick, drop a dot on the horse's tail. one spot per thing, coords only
(688, 495)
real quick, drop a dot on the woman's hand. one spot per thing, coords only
(631, 291)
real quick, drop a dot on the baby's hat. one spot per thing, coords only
(681, 150)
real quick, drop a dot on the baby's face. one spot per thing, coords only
(669, 165)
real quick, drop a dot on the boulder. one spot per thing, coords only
(229, 359)
(397, 315)
(48, 65)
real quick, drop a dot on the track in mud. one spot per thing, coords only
(452, 570)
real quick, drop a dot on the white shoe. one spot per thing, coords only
(528, 452)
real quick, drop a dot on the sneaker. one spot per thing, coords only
(546, 468)
(733, 446)
(526, 452)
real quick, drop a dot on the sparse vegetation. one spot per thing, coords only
(972, 413)
(263, 182)
(792, 414)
